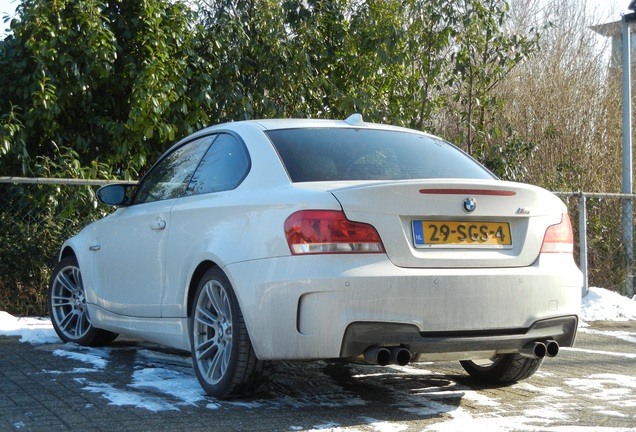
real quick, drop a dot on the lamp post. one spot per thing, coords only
(628, 224)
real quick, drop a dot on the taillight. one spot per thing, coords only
(558, 238)
(327, 231)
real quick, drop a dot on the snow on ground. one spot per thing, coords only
(33, 330)
(604, 305)
(163, 382)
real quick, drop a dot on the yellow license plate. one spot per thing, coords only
(427, 233)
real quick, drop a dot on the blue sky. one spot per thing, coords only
(613, 7)
(7, 6)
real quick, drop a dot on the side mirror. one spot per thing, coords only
(113, 194)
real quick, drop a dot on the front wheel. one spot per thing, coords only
(224, 361)
(502, 369)
(67, 307)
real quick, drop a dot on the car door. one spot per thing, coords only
(203, 215)
(131, 243)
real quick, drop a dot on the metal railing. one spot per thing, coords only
(38, 214)
(61, 181)
(605, 238)
(42, 200)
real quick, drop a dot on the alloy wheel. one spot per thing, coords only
(212, 332)
(68, 303)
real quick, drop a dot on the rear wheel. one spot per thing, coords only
(505, 368)
(224, 360)
(67, 307)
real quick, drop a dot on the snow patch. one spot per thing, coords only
(32, 330)
(121, 397)
(166, 381)
(604, 305)
(96, 359)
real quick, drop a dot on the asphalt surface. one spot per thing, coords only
(56, 387)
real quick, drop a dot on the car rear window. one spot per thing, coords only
(370, 154)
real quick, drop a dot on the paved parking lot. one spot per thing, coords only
(134, 386)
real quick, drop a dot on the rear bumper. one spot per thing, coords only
(317, 307)
(457, 345)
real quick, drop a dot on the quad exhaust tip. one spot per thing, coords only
(539, 349)
(383, 356)
(552, 348)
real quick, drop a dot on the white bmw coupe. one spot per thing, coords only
(313, 239)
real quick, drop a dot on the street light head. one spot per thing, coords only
(632, 5)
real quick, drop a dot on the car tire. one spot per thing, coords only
(222, 354)
(506, 368)
(68, 309)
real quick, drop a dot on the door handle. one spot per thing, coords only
(158, 225)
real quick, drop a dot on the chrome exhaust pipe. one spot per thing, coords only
(400, 356)
(377, 355)
(552, 348)
(536, 350)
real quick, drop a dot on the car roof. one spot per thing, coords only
(353, 121)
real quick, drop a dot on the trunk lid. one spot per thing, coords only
(454, 223)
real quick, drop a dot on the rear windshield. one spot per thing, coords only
(370, 154)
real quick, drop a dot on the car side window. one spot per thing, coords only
(222, 168)
(170, 176)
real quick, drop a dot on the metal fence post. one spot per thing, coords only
(583, 242)
(628, 227)
(628, 239)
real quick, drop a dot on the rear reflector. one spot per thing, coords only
(558, 238)
(327, 231)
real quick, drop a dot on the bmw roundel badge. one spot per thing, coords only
(469, 204)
